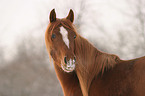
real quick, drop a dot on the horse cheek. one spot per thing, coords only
(53, 54)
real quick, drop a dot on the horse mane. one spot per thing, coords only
(91, 62)
(106, 61)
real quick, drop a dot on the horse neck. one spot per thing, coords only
(69, 81)
(90, 62)
(85, 57)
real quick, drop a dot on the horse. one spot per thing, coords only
(83, 70)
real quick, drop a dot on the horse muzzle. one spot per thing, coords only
(69, 65)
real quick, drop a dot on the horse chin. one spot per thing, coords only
(68, 68)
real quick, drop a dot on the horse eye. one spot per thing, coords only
(74, 36)
(53, 36)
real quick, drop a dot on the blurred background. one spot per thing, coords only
(113, 26)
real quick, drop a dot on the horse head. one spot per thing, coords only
(60, 41)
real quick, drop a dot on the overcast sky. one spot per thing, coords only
(20, 17)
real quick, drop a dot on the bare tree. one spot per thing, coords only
(132, 35)
(29, 73)
(82, 9)
(1, 55)
(137, 7)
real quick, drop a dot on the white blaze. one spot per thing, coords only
(64, 34)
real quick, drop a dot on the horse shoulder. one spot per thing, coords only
(139, 76)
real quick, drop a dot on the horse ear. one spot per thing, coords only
(70, 16)
(52, 16)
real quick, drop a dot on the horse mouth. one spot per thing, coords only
(69, 66)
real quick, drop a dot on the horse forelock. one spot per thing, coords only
(61, 22)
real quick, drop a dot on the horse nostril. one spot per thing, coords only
(65, 60)
(74, 60)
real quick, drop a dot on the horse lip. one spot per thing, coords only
(69, 66)
(68, 69)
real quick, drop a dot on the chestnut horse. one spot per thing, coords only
(83, 70)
